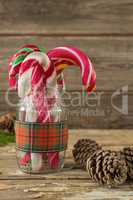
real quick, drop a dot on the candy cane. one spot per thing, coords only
(31, 88)
(34, 71)
(62, 57)
(15, 63)
(31, 81)
(26, 63)
(14, 68)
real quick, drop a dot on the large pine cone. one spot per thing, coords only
(128, 155)
(82, 151)
(107, 168)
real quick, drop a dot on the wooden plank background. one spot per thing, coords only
(103, 29)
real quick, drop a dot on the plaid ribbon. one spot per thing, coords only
(36, 137)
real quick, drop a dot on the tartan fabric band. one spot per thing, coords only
(37, 137)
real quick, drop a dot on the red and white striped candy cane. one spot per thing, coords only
(65, 56)
(28, 71)
(15, 63)
(35, 70)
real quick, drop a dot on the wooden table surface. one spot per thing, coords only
(72, 183)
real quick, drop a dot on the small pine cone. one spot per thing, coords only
(128, 155)
(82, 151)
(107, 168)
(7, 122)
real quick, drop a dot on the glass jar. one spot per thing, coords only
(40, 147)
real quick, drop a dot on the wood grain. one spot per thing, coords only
(71, 183)
(103, 29)
(95, 111)
(111, 57)
(112, 16)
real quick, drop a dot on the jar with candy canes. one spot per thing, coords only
(41, 146)
(41, 128)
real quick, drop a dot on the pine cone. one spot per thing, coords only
(107, 168)
(82, 151)
(128, 155)
(7, 122)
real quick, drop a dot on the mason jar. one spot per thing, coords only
(40, 147)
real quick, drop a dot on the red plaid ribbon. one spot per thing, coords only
(36, 137)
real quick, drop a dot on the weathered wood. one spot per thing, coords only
(18, 16)
(99, 110)
(103, 29)
(71, 183)
(61, 190)
(112, 58)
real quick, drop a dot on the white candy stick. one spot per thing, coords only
(36, 161)
(31, 116)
